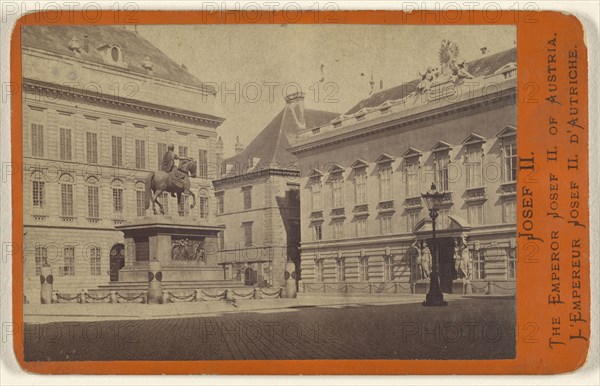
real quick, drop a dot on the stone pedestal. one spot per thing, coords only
(46, 280)
(185, 250)
(290, 280)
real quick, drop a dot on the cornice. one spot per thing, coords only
(112, 101)
(442, 113)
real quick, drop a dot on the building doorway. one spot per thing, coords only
(117, 261)
(445, 247)
(250, 276)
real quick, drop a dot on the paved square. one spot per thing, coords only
(468, 328)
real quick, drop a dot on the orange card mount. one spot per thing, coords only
(410, 195)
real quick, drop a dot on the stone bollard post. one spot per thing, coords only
(300, 286)
(46, 280)
(467, 287)
(155, 291)
(257, 295)
(113, 297)
(82, 298)
(290, 280)
(199, 295)
(489, 288)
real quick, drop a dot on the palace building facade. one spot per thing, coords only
(100, 105)
(258, 199)
(364, 224)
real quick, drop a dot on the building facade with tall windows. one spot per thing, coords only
(364, 224)
(258, 199)
(100, 105)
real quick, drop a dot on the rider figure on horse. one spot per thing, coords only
(168, 165)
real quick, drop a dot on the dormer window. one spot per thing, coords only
(112, 54)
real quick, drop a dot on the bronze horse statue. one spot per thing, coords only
(160, 181)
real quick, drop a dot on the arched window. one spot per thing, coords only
(117, 197)
(203, 203)
(66, 195)
(140, 198)
(93, 198)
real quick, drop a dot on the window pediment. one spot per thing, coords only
(359, 164)
(473, 139)
(440, 146)
(411, 152)
(508, 131)
(384, 158)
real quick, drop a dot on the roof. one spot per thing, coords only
(271, 144)
(484, 66)
(56, 39)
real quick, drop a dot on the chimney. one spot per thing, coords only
(239, 147)
(295, 102)
(86, 43)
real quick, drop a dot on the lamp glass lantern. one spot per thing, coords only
(433, 198)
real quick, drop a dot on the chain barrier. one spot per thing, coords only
(131, 299)
(67, 298)
(275, 294)
(97, 299)
(182, 298)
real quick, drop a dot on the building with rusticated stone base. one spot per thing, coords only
(364, 225)
(100, 105)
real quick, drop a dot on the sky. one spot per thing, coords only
(253, 66)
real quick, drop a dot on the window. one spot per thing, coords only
(37, 140)
(317, 232)
(388, 268)
(247, 191)
(220, 202)
(38, 194)
(473, 169)
(117, 194)
(203, 163)
(441, 173)
(478, 264)
(509, 212)
(337, 186)
(41, 258)
(221, 240)
(360, 187)
(338, 230)
(247, 234)
(93, 202)
(475, 214)
(385, 224)
(164, 201)
(91, 141)
(511, 263)
(114, 53)
(183, 151)
(68, 261)
(316, 194)
(184, 205)
(363, 268)
(65, 144)
(340, 270)
(140, 154)
(385, 183)
(412, 180)
(140, 197)
(510, 162)
(161, 150)
(361, 227)
(95, 261)
(319, 270)
(412, 220)
(66, 197)
(203, 203)
(117, 151)
(443, 221)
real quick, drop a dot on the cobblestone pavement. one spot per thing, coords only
(472, 328)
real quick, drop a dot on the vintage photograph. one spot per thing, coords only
(219, 192)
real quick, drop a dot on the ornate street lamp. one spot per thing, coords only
(433, 198)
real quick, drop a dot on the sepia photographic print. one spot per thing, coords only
(252, 192)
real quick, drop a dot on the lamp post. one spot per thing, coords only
(434, 297)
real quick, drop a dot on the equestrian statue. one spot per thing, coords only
(172, 179)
